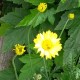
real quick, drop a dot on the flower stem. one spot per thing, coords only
(29, 38)
(63, 28)
(46, 69)
(13, 63)
(28, 45)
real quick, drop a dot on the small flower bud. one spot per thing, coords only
(42, 7)
(71, 16)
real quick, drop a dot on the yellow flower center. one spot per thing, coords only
(47, 44)
(20, 49)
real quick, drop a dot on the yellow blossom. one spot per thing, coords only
(71, 16)
(42, 7)
(48, 44)
(19, 49)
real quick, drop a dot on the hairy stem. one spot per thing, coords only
(13, 63)
(63, 28)
(45, 68)
(28, 45)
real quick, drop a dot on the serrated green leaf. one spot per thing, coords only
(73, 74)
(17, 1)
(17, 36)
(3, 28)
(36, 18)
(63, 1)
(59, 60)
(32, 65)
(28, 20)
(36, 2)
(7, 74)
(13, 18)
(66, 76)
(71, 48)
(50, 14)
(69, 5)
(71, 23)
(77, 72)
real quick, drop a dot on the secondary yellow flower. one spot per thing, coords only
(48, 44)
(19, 49)
(71, 16)
(42, 7)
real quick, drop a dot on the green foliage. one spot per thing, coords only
(36, 2)
(22, 22)
(69, 5)
(13, 18)
(36, 18)
(17, 35)
(7, 74)
(17, 1)
(72, 50)
(33, 64)
(63, 1)
(71, 23)
(3, 28)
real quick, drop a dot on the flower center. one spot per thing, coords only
(20, 49)
(47, 44)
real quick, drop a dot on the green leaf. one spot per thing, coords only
(63, 1)
(72, 48)
(3, 28)
(36, 18)
(17, 36)
(36, 2)
(50, 14)
(32, 65)
(66, 76)
(77, 72)
(7, 74)
(17, 1)
(13, 18)
(71, 23)
(59, 60)
(69, 5)
(74, 74)
(28, 20)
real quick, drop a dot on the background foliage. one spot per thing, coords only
(19, 15)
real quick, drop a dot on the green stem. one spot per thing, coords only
(13, 63)
(46, 69)
(29, 38)
(63, 28)
(28, 45)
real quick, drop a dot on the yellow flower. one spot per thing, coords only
(42, 7)
(48, 44)
(19, 49)
(71, 16)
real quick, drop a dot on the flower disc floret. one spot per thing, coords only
(19, 49)
(48, 44)
(42, 7)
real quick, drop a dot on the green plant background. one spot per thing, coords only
(17, 18)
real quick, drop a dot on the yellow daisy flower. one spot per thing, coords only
(19, 49)
(71, 16)
(48, 44)
(42, 7)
